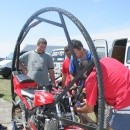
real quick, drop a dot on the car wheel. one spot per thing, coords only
(6, 72)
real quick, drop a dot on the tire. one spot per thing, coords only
(6, 72)
(17, 116)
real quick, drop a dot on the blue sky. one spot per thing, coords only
(106, 19)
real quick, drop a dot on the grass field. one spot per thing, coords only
(5, 89)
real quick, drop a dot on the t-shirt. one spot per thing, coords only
(65, 70)
(38, 66)
(72, 67)
(116, 80)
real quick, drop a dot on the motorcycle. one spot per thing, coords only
(33, 107)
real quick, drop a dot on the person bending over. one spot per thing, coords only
(116, 80)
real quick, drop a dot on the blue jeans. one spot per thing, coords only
(119, 121)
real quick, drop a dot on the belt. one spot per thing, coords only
(122, 111)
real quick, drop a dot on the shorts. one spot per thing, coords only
(119, 121)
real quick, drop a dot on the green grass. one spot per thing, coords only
(5, 89)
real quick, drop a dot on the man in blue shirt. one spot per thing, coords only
(83, 56)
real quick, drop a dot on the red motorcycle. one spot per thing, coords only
(34, 109)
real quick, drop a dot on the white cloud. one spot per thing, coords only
(110, 36)
(96, 1)
(5, 49)
(113, 34)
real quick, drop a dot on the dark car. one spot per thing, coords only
(2, 59)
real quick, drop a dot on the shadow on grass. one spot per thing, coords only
(1, 95)
(4, 78)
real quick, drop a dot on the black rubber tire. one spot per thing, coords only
(6, 72)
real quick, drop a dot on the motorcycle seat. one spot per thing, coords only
(28, 92)
(24, 79)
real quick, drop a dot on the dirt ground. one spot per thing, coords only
(5, 114)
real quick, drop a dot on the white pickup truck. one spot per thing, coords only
(5, 65)
(121, 51)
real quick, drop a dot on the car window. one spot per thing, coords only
(128, 56)
(22, 52)
(100, 52)
(10, 56)
(58, 56)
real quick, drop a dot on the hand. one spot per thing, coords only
(53, 85)
(84, 90)
(84, 62)
(82, 109)
(77, 108)
(73, 87)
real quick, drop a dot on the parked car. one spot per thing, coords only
(2, 59)
(6, 64)
(58, 58)
(121, 51)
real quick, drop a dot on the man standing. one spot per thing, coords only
(65, 68)
(37, 64)
(116, 80)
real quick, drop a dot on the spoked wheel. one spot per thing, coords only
(23, 121)
(17, 116)
(18, 121)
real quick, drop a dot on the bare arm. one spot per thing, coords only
(72, 77)
(63, 79)
(52, 76)
(74, 85)
(85, 108)
(23, 68)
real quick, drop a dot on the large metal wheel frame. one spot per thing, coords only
(30, 23)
